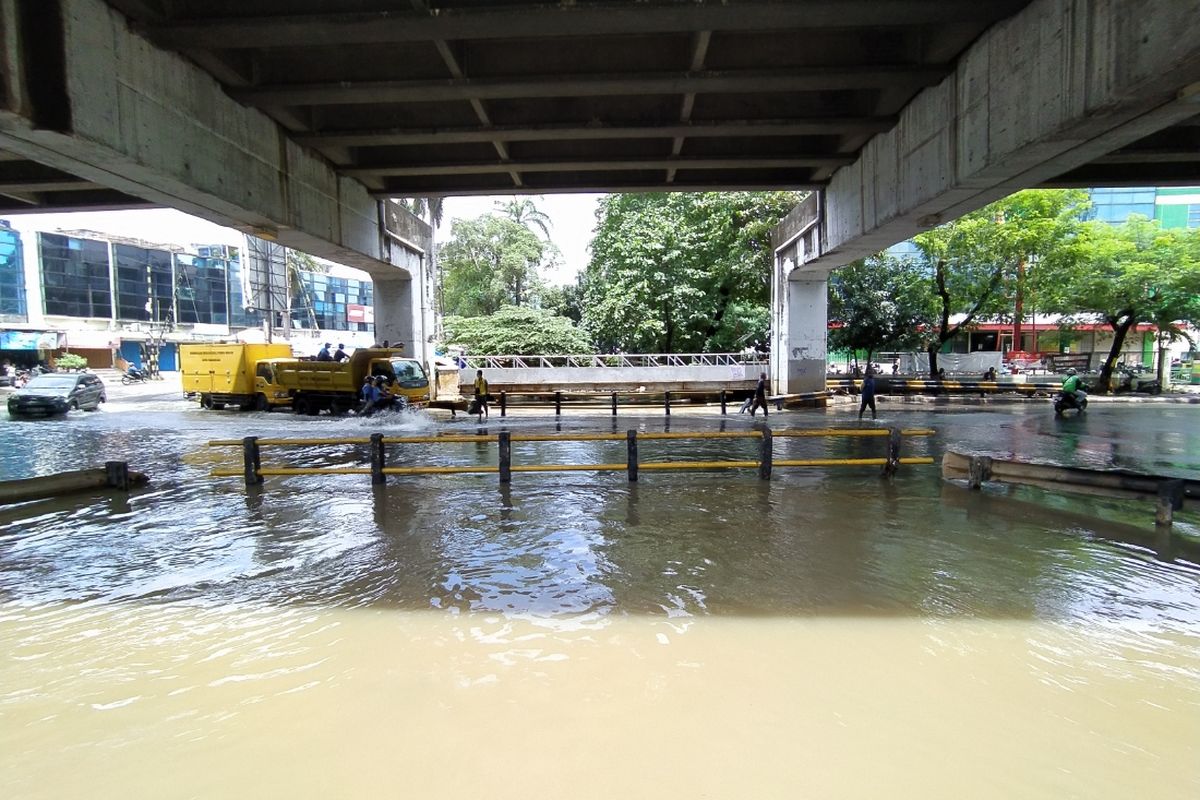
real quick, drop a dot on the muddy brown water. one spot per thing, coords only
(707, 634)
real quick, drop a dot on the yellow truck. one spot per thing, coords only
(233, 374)
(316, 386)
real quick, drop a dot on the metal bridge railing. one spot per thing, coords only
(618, 360)
(253, 471)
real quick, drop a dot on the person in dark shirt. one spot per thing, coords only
(341, 354)
(868, 394)
(760, 395)
(323, 354)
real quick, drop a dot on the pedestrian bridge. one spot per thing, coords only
(620, 371)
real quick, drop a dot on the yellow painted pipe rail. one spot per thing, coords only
(253, 471)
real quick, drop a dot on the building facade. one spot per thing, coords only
(103, 296)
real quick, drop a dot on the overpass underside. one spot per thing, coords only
(299, 119)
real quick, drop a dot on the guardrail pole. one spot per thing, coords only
(1170, 500)
(631, 455)
(116, 474)
(893, 452)
(722, 402)
(504, 404)
(505, 440)
(766, 457)
(667, 403)
(614, 403)
(558, 404)
(250, 461)
(378, 459)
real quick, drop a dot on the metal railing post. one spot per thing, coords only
(1170, 500)
(504, 404)
(505, 440)
(631, 455)
(250, 461)
(722, 402)
(116, 474)
(766, 455)
(558, 404)
(378, 459)
(614, 404)
(893, 456)
(667, 403)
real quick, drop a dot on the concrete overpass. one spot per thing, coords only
(298, 119)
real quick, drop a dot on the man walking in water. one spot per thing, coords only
(760, 395)
(481, 393)
(868, 394)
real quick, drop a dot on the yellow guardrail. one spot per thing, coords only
(253, 471)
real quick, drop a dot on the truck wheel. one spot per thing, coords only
(206, 401)
(335, 408)
(314, 408)
(261, 404)
(300, 405)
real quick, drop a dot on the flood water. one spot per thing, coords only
(699, 634)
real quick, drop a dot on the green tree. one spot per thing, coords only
(976, 263)
(516, 331)
(566, 301)
(489, 262)
(427, 208)
(877, 303)
(1127, 274)
(681, 272)
(524, 211)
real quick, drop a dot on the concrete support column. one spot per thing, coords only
(394, 318)
(807, 327)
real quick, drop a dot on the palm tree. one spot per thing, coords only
(525, 212)
(429, 208)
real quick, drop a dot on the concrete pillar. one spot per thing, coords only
(807, 327)
(394, 318)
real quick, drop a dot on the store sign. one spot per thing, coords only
(357, 313)
(28, 340)
(93, 340)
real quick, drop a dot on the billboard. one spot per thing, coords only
(265, 285)
(358, 313)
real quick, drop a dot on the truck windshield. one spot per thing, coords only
(409, 373)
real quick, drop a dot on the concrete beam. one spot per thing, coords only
(483, 168)
(809, 79)
(549, 133)
(1057, 86)
(565, 20)
(85, 95)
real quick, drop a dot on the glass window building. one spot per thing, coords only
(325, 299)
(145, 284)
(1116, 205)
(75, 276)
(12, 275)
(202, 289)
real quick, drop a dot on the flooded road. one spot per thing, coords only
(693, 635)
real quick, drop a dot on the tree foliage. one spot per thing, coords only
(489, 262)
(974, 264)
(516, 331)
(878, 303)
(682, 272)
(1128, 274)
(524, 211)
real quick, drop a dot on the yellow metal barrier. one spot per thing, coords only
(253, 471)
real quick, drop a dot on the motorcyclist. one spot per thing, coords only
(1072, 387)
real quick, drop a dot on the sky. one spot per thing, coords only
(572, 219)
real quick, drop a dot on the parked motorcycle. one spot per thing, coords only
(135, 375)
(1067, 402)
(1131, 381)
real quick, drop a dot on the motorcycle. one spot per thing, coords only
(135, 375)
(1067, 402)
(1131, 381)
